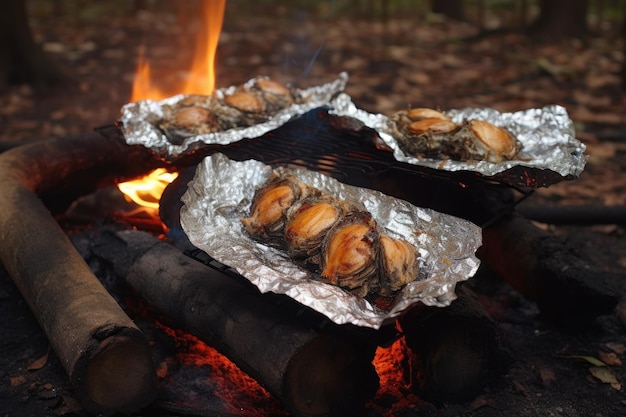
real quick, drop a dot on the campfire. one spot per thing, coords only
(259, 353)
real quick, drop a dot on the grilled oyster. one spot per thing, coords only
(333, 238)
(270, 203)
(308, 220)
(349, 251)
(398, 263)
(246, 105)
(190, 116)
(428, 133)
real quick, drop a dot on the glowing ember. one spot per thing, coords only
(239, 393)
(394, 365)
(201, 79)
(147, 191)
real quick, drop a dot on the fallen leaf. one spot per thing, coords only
(618, 348)
(479, 402)
(17, 380)
(610, 358)
(594, 361)
(604, 374)
(547, 376)
(521, 389)
(162, 370)
(38, 363)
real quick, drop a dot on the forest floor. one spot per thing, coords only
(392, 64)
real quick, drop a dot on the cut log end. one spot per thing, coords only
(330, 378)
(117, 375)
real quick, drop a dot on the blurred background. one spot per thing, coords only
(67, 67)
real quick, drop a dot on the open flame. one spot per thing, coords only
(147, 191)
(201, 78)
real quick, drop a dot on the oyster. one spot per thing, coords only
(349, 251)
(245, 105)
(191, 116)
(308, 220)
(428, 133)
(267, 219)
(336, 239)
(399, 264)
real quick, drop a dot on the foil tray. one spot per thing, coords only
(139, 120)
(550, 151)
(547, 136)
(222, 190)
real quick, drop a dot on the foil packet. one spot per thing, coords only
(222, 191)
(140, 120)
(547, 135)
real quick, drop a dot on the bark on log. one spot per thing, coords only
(566, 285)
(458, 349)
(106, 357)
(313, 373)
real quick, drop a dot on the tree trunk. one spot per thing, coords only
(449, 8)
(21, 59)
(561, 19)
(624, 54)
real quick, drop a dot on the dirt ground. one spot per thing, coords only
(409, 60)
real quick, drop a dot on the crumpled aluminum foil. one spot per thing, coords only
(547, 135)
(221, 194)
(140, 119)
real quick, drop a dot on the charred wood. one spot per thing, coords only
(313, 372)
(568, 286)
(458, 350)
(104, 354)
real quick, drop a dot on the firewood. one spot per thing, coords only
(313, 372)
(567, 285)
(458, 350)
(107, 358)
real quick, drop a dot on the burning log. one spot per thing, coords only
(314, 373)
(563, 281)
(458, 349)
(106, 357)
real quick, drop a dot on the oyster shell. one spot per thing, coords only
(270, 204)
(349, 253)
(246, 105)
(399, 264)
(428, 133)
(308, 220)
(340, 241)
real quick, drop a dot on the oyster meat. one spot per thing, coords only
(339, 241)
(428, 133)
(246, 105)
(271, 202)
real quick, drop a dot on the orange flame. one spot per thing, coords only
(201, 79)
(146, 191)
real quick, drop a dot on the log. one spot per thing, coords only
(106, 357)
(312, 372)
(568, 286)
(457, 350)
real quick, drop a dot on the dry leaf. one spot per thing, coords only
(162, 370)
(38, 363)
(594, 361)
(479, 402)
(547, 376)
(604, 374)
(618, 348)
(17, 380)
(610, 358)
(520, 388)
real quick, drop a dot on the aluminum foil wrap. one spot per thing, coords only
(547, 135)
(140, 119)
(221, 194)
